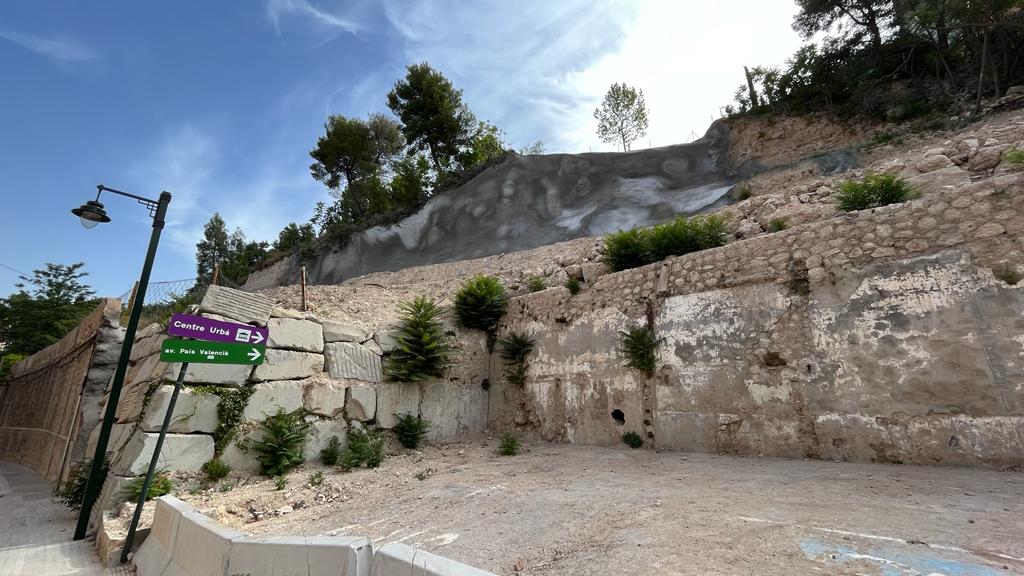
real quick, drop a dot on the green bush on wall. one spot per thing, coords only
(284, 436)
(639, 345)
(872, 191)
(160, 486)
(423, 349)
(364, 447)
(480, 303)
(515, 348)
(640, 246)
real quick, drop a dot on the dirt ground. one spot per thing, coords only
(579, 510)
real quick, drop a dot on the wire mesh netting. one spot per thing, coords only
(162, 299)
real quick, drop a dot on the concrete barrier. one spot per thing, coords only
(183, 542)
(399, 559)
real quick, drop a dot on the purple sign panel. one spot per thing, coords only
(199, 328)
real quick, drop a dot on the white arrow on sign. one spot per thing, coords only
(256, 338)
(254, 354)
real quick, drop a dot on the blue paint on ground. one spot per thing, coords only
(893, 563)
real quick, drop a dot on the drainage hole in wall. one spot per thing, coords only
(619, 417)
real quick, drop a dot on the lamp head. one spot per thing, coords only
(91, 213)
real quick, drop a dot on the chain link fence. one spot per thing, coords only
(169, 297)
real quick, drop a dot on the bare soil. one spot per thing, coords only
(577, 510)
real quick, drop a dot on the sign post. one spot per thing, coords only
(216, 343)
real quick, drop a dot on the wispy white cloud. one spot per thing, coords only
(65, 50)
(317, 17)
(539, 68)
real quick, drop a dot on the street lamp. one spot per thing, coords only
(92, 213)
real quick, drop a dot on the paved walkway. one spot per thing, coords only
(36, 531)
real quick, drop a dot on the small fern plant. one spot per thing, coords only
(280, 449)
(329, 454)
(508, 445)
(364, 447)
(423, 350)
(410, 430)
(480, 303)
(514, 350)
(639, 345)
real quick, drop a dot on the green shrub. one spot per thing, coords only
(633, 440)
(574, 286)
(626, 249)
(160, 485)
(216, 469)
(514, 351)
(329, 455)
(72, 492)
(1009, 275)
(364, 447)
(744, 192)
(410, 430)
(480, 303)
(1014, 156)
(639, 345)
(8, 360)
(316, 479)
(423, 349)
(280, 449)
(684, 235)
(280, 482)
(872, 191)
(509, 445)
(640, 246)
(425, 473)
(777, 225)
(226, 486)
(535, 283)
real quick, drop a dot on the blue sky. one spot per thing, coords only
(220, 102)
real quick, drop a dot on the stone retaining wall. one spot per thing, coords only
(881, 335)
(183, 541)
(332, 371)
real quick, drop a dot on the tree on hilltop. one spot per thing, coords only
(434, 118)
(622, 116)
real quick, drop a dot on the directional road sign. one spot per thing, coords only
(198, 352)
(188, 326)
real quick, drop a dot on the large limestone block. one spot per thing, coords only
(292, 334)
(943, 179)
(269, 397)
(361, 403)
(325, 398)
(288, 365)
(231, 375)
(453, 409)
(119, 434)
(146, 347)
(320, 433)
(181, 452)
(237, 305)
(352, 360)
(396, 398)
(241, 460)
(387, 339)
(341, 332)
(193, 412)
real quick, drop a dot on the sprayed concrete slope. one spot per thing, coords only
(530, 201)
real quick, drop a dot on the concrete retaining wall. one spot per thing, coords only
(184, 542)
(883, 335)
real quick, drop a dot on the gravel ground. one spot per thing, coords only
(577, 510)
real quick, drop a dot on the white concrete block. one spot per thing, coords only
(352, 360)
(293, 555)
(291, 334)
(395, 559)
(396, 398)
(193, 412)
(361, 403)
(268, 397)
(288, 365)
(181, 452)
(325, 398)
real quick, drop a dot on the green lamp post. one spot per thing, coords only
(92, 213)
